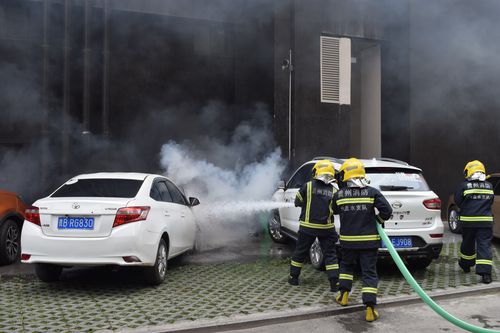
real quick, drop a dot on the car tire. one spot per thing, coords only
(10, 242)
(419, 263)
(156, 274)
(48, 272)
(316, 256)
(274, 228)
(453, 220)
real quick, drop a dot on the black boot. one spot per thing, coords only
(334, 285)
(293, 280)
(486, 279)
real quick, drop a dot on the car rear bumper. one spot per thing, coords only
(426, 246)
(431, 251)
(72, 251)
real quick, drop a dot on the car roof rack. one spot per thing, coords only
(336, 160)
(387, 159)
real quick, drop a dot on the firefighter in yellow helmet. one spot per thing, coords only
(475, 197)
(316, 221)
(359, 239)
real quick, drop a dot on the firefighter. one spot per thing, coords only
(316, 221)
(474, 197)
(359, 239)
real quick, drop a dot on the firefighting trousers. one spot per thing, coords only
(327, 243)
(476, 249)
(368, 261)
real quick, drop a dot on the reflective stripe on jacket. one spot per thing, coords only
(356, 207)
(315, 199)
(474, 198)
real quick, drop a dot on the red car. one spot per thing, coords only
(12, 210)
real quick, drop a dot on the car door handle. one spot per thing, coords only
(167, 213)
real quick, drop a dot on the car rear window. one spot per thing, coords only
(396, 179)
(114, 188)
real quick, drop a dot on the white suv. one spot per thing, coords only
(415, 227)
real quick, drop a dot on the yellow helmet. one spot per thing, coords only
(323, 167)
(352, 168)
(472, 167)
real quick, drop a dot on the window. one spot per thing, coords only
(302, 176)
(164, 192)
(113, 188)
(177, 196)
(335, 70)
(396, 179)
(155, 193)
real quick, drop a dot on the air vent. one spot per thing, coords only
(335, 70)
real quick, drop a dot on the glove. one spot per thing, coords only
(381, 221)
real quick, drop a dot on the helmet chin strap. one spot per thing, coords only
(478, 176)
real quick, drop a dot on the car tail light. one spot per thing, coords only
(433, 203)
(130, 214)
(33, 215)
(25, 256)
(436, 235)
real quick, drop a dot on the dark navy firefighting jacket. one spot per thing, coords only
(315, 199)
(356, 207)
(474, 198)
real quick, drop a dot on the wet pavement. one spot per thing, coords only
(243, 278)
(414, 317)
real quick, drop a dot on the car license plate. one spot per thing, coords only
(400, 242)
(86, 223)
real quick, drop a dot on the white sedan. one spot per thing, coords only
(125, 219)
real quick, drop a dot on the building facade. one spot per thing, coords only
(420, 84)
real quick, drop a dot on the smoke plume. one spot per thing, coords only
(234, 180)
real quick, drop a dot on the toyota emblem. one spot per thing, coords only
(397, 205)
(75, 205)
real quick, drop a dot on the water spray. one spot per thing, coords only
(230, 222)
(434, 306)
(221, 209)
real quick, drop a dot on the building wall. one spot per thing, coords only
(320, 128)
(170, 64)
(455, 74)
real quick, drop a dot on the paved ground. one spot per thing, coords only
(200, 287)
(414, 317)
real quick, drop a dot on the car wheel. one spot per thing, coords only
(316, 256)
(48, 272)
(156, 274)
(274, 228)
(419, 263)
(454, 220)
(10, 242)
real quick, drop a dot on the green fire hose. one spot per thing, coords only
(421, 292)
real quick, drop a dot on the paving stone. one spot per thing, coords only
(194, 292)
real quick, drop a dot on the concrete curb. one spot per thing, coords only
(268, 318)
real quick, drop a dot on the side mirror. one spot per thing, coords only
(281, 185)
(193, 201)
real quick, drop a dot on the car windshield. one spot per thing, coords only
(396, 179)
(114, 188)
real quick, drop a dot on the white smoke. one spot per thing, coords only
(234, 181)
